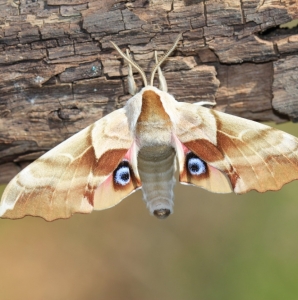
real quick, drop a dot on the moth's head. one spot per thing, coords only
(131, 63)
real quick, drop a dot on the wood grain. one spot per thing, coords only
(59, 73)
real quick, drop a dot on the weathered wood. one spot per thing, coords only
(59, 73)
(285, 86)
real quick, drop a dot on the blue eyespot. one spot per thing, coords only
(195, 165)
(122, 173)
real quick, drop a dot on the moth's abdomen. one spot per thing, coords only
(156, 169)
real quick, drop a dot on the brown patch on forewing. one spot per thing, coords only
(89, 193)
(109, 161)
(233, 176)
(205, 150)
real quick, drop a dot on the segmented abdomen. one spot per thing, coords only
(156, 168)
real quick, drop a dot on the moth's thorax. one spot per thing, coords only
(153, 124)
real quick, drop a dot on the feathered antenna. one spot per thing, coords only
(164, 58)
(157, 65)
(131, 62)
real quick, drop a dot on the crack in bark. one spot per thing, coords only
(221, 40)
(242, 12)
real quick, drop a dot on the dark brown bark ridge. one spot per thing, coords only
(59, 73)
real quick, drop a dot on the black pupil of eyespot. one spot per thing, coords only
(194, 167)
(124, 176)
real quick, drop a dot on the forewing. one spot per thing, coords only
(65, 180)
(250, 154)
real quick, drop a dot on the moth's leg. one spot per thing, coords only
(162, 81)
(206, 103)
(132, 87)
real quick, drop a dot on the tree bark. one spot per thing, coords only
(59, 73)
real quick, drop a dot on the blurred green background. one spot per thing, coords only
(212, 247)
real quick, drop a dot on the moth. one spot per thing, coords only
(138, 147)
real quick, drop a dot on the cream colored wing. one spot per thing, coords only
(67, 179)
(251, 155)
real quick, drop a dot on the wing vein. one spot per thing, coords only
(245, 157)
